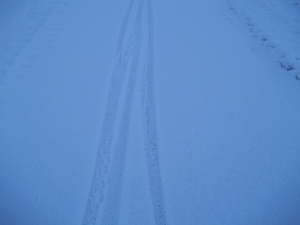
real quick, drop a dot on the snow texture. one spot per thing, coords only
(149, 112)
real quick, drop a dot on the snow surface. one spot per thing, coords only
(149, 112)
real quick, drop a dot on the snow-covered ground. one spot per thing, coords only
(149, 112)
(277, 25)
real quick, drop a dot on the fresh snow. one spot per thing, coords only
(149, 112)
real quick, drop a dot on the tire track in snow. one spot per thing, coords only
(131, 51)
(150, 129)
(114, 192)
(102, 161)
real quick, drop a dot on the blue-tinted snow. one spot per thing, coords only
(149, 112)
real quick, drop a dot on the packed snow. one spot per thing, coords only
(149, 112)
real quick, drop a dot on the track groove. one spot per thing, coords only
(111, 209)
(108, 174)
(99, 179)
(150, 128)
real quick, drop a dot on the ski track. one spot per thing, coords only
(99, 179)
(108, 174)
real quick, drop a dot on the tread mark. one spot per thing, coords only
(114, 192)
(102, 161)
(150, 129)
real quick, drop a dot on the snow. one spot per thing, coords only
(149, 112)
(263, 18)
